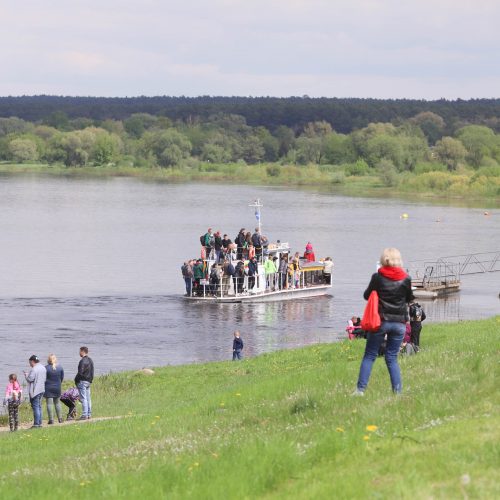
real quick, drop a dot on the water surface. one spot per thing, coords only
(97, 262)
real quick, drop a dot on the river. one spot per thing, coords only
(97, 262)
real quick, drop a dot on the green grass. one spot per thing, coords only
(281, 425)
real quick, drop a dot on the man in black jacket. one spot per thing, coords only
(83, 379)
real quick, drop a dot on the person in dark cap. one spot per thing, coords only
(36, 388)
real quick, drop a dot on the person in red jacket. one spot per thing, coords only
(393, 286)
(309, 253)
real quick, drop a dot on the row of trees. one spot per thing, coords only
(344, 115)
(147, 140)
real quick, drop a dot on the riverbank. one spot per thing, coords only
(479, 188)
(281, 425)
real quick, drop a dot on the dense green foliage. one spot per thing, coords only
(344, 115)
(452, 157)
(282, 425)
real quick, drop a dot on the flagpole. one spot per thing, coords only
(257, 205)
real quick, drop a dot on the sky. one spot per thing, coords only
(416, 49)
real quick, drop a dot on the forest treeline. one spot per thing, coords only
(344, 115)
(459, 156)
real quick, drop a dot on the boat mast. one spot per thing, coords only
(257, 204)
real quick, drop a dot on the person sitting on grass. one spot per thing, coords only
(354, 330)
(407, 347)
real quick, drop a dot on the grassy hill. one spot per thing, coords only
(281, 425)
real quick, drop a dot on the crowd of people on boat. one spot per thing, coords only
(224, 264)
(45, 382)
(218, 247)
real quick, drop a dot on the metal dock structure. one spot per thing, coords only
(432, 279)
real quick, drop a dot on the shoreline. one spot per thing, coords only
(359, 187)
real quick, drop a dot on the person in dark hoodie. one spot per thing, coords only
(253, 270)
(83, 379)
(237, 346)
(240, 241)
(393, 286)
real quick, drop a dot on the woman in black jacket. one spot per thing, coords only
(393, 286)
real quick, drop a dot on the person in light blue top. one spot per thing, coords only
(55, 376)
(36, 387)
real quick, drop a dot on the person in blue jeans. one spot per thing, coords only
(393, 286)
(36, 387)
(83, 379)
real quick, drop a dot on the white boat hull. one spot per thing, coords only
(290, 294)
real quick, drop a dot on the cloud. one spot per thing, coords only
(264, 47)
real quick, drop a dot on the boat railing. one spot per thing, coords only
(234, 286)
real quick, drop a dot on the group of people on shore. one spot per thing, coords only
(46, 382)
(413, 327)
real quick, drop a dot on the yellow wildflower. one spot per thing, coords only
(366, 438)
(339, 429)
(371, 428)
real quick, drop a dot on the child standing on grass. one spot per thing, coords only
(13, 399)
(237, 346)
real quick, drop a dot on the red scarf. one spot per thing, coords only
(393, 273)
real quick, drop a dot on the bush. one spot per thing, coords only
(358, 168)
(338, 178)
(273, 170)
(493, 171)
(424, 167)
(436, 180)
(387, 173)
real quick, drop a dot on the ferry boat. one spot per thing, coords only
(312, 279)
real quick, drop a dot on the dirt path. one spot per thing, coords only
(24, 427)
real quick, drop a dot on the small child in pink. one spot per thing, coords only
(13, 396)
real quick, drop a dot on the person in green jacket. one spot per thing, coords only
(270, 269)
(198, 275)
